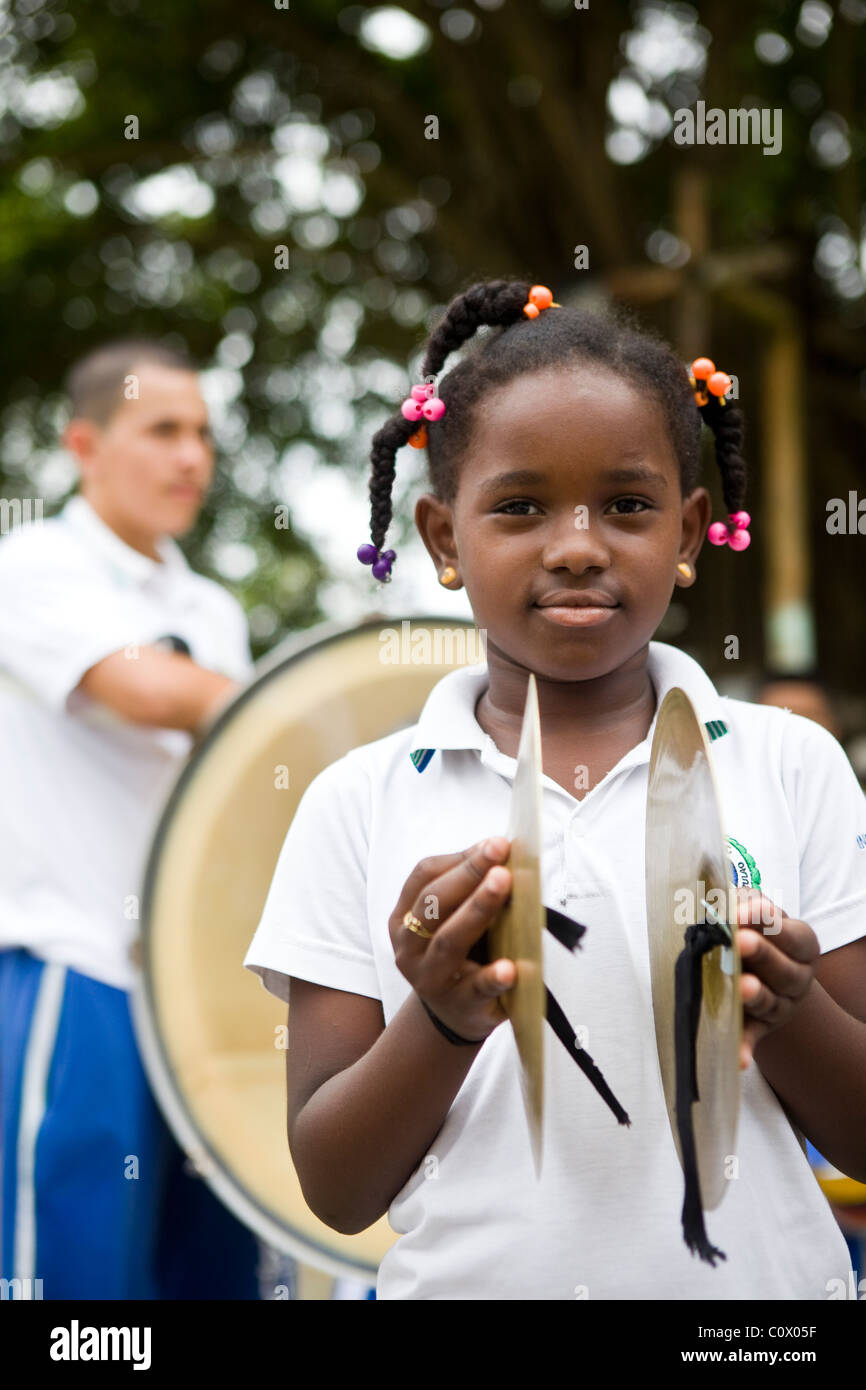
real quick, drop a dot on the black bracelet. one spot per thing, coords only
(448, 1032)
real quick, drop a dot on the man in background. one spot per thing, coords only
(113, 653)
(803, 694)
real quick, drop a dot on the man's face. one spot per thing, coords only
(804, 698)
(148, 469)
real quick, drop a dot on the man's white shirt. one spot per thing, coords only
(604, 1220)
(82, 787)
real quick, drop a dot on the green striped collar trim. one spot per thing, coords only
(421, 757)
(715, 728)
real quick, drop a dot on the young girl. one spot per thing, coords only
(563, 455)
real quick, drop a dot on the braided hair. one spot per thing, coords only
(555, 338)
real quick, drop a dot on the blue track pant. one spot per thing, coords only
(95, 1200)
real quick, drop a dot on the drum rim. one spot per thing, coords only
(230, 1190)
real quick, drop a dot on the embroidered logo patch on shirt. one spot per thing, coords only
(421, 757)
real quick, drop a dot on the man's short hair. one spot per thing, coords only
(95, 383)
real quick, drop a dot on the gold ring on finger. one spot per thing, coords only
(417, 927)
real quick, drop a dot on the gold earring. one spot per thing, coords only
(448, 575)
(684, 569)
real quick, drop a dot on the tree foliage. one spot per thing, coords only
(496, 140)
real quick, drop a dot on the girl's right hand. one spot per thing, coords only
(466, 893)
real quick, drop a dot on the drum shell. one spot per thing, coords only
(212, 1039)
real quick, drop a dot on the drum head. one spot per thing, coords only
(212, 1039)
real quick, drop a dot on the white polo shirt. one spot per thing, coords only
(82, 787)
(603, 1222)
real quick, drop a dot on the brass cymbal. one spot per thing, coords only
(517, 934)
(688, 880)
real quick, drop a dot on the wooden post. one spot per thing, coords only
(690, 219)
(783, 528)
(788, 580)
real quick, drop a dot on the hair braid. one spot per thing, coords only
(386, 441)
(728, 427)
(494, 302)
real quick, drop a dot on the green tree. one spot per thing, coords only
(396, 156)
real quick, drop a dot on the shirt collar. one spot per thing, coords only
(448, 717)
(137, 567)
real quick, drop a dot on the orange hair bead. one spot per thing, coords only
(531, 311)
(419, 439)
(719, 383)
(541, 297)
(702, 368)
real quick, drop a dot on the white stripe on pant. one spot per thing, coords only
(34, 1080)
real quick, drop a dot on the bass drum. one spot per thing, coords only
(212, 1039)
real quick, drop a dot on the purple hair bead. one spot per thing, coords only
(369, 555)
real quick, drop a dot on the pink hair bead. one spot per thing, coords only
(421, 403)
(735, 534)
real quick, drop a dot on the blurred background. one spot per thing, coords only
(296, 192)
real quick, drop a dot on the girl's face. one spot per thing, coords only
(568, 484)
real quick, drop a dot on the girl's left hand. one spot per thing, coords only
(779, 955)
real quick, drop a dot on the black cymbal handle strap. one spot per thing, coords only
(567, 1036)
(700, 938)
